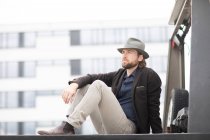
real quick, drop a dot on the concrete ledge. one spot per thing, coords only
(183, 136)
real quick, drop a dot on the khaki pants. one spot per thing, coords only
(98, 101)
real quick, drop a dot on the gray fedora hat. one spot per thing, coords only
(136, 44)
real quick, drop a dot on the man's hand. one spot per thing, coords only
(69, 93)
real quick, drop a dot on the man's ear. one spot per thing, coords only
(140, 58)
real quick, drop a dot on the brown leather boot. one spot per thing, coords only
(63, 129)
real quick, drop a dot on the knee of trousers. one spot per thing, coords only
(98, 83)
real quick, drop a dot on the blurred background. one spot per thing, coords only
(46, 43)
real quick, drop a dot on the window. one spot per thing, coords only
(29, 69)
(2, 100)
(29, 98)
(158, 63)
(12, 69)
(29, 39)
(21, 40)
(12, 40)
(1, 41)
(1, 70)
(75, 66)
(102, 65)
(85, 37)
(75, 37)
(157, 34)
(11, 99)
(11, 128)
(20, 69)
(29, 128)
(109, 36)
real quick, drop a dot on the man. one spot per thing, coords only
(130, 106)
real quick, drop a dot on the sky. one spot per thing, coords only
(50, 11)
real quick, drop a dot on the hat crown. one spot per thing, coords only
(135, 43)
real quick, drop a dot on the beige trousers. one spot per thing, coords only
(98, 101)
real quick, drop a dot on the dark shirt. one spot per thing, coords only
(124, 96)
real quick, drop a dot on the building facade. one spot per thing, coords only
(37, 61)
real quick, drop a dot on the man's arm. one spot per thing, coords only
(69, 92)
(90, 78)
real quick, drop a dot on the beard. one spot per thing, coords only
(129, 65)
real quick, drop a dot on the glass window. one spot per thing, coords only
(75, 66)
(29, 99)
(156, 34)
(12, 99)
(103, 65)
(86, 37)
(94, 37)
(2, 100)
(109, 36)
(21, 40)
(29, 39)
(12, 40)
(20, 98)
(1, 41)
(29, 128)
(112, 64)
(4, 40)
(120, 35)
(87, 67)
(75, 37)
(20, 69)
(12, 69)
(1, 70)
(158, 63)
(164, 34)
(100, 36)
(29, 69)
(2, 128)
(12, 128)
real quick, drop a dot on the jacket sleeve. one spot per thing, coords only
(90, 78)
(154, 90)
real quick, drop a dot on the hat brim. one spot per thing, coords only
(145, 54)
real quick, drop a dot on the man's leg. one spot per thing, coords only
(78, 97)
(113, 119)
(65, 128)
(95, 115)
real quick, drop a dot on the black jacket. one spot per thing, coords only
(146, 95)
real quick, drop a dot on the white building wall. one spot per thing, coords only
(51, 56)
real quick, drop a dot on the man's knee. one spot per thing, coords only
(98, 83)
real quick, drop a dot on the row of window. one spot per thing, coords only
(77, 66)
(22, 99)
(118, 35)
(29, 128)
(23, 128)
(87, 37)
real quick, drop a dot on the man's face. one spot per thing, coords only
(130, 58)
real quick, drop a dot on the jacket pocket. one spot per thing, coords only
(140, 91)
